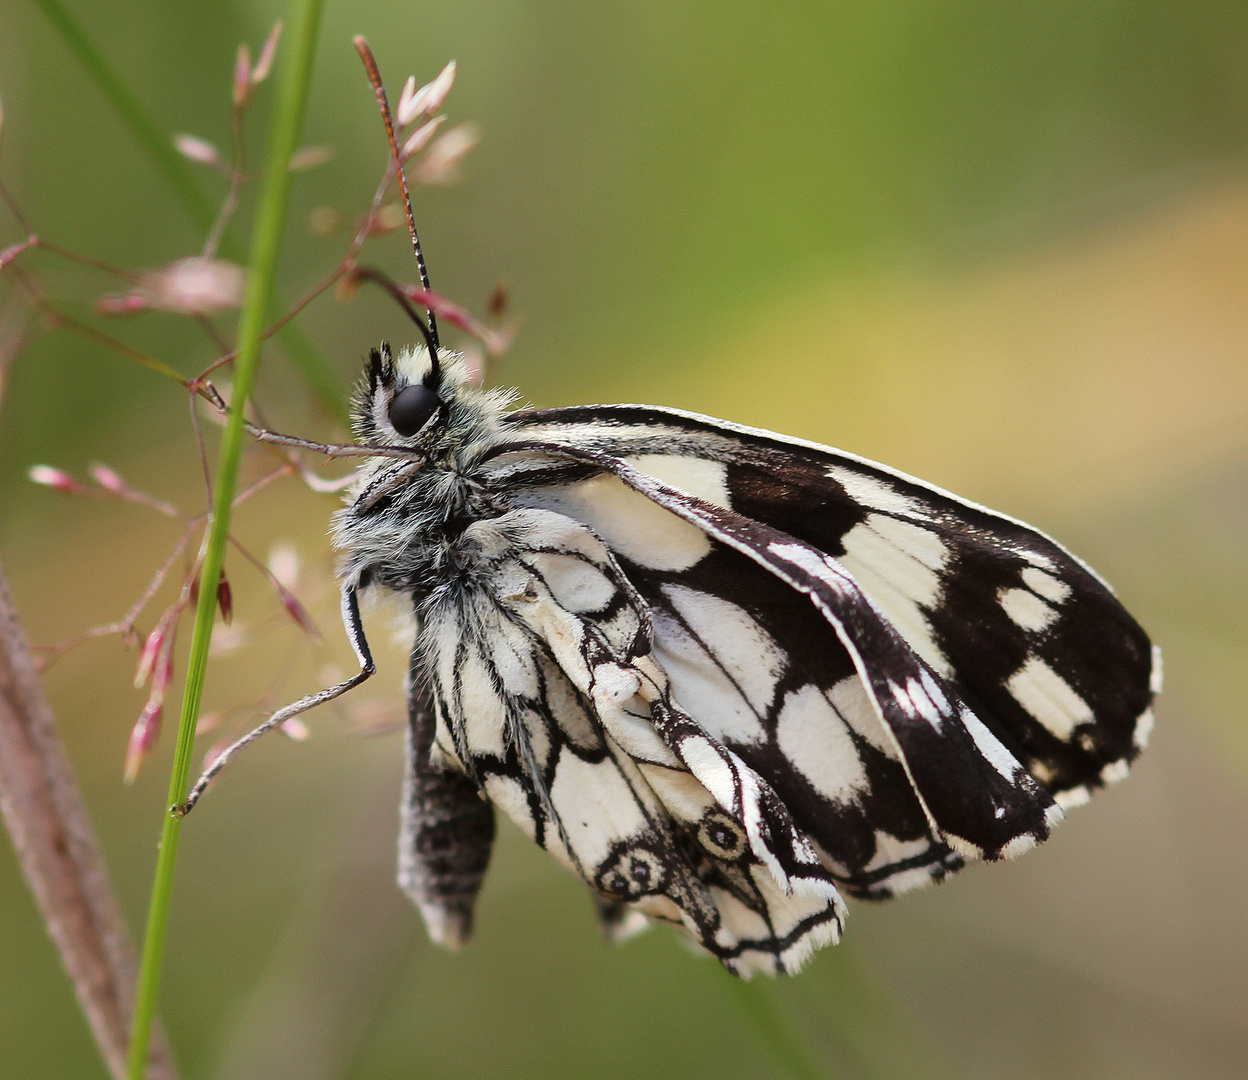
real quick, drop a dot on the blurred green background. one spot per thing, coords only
(1000, 244)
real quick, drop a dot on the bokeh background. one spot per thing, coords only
(1000, 244)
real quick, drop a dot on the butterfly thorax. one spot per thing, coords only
(404, 531)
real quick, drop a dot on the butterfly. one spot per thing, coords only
(724, 676)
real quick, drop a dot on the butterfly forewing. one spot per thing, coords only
(1039, 647)
(975, 794)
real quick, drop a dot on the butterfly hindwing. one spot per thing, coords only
(549, 696)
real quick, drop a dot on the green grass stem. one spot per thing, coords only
(292, 95)
(321, 378)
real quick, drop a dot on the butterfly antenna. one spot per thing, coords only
(378, 277)
(374, 77)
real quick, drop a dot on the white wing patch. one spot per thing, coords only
(801, 920)
(698, 476)
(564, 707)
(891, 850)
(922, 697)
(712, 770)
(1073, 797)
(512, 656)
(1157, 676)
(813, 736)
(577, 585)
(506, 793)
(484, 715)
(1048, 697)
(1048, 586)
(854, 706)
(874, 493)
(1025, 608)
(1115, 771)
(596, 807)
(898, 565)
(914, 555)
(722, 665)
(990, 746)
(632, 525)
(1031, 555)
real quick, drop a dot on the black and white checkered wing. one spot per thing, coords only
(549, 694)
(959, 653)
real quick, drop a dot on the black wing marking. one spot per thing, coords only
(974, 791)
(547, 695)
(1037, 644)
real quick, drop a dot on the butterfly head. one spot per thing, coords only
(419, 401)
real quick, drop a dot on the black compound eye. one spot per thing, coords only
(411, 408)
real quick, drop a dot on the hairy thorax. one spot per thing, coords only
(404, 529)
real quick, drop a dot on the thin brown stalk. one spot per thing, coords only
(198, 428)
(6, 196)
(260, 483)
(83, 260)
(298, 306)
(237, 177)
(142, 498)
(365, 230)
(58, 319)
(125, 625)
(59, 855)
(214, 335)
(14, 333)
(64, 321)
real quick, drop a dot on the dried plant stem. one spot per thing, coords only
(266, 243)
(59, 856)
(238, 174)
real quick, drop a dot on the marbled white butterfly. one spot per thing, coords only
(722, 675)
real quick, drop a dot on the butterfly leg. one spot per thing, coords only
(355, 631)
(446, 828)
